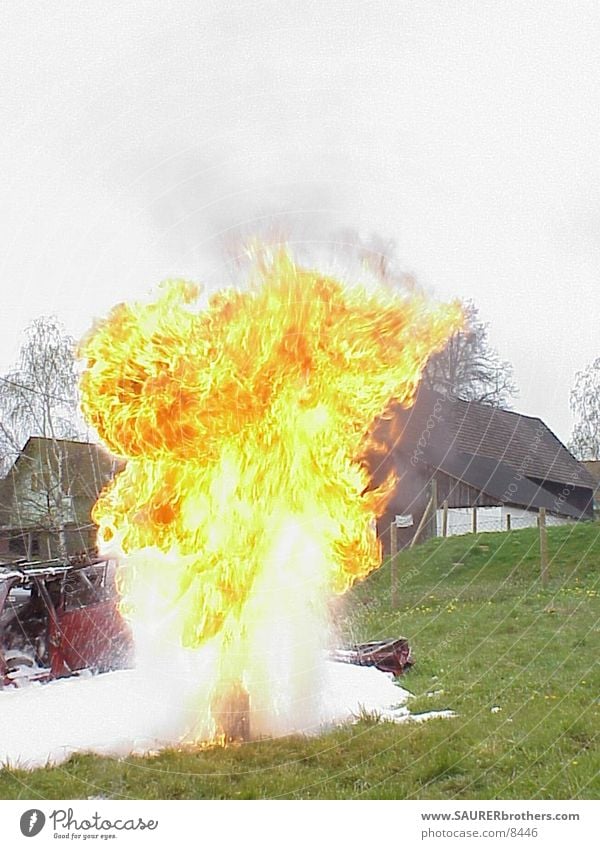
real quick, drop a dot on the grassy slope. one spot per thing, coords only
(484, 634)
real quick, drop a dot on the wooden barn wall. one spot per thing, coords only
(412, 495)
(460, 494)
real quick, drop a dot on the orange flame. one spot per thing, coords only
(241, 423)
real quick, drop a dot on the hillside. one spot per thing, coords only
(518, 664)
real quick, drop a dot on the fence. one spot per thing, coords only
(466, 520)
(506, 522)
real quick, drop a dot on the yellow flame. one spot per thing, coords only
(242, 424)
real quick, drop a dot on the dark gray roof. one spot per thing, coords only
(499, 480)
(523, 442)
(509, 456)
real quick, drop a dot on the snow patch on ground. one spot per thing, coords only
(126, 712)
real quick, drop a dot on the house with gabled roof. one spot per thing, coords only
(47, 496)
(505, 464)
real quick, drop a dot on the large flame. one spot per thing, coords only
(243, 505)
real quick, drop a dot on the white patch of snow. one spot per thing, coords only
(126, 712)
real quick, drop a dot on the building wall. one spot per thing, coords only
(410, 498)
(28, 528)
(576, 496)
(489, 519)
(593, 467)
(27, 491)
(458, 493)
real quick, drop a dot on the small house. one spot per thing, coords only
(47, 497)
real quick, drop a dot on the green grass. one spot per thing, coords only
(484, 634)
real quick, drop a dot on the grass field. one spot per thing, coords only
(518, 663)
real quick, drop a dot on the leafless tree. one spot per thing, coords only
(585, 403)
(469, 368)
(39, 397)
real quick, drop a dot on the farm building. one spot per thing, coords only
(467, 454)
(47, 496)
(593, 467)
(504, 464)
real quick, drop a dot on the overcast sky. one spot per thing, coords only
(136, 136)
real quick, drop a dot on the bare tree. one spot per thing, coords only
(585, 403)
(39, 397)
(469, 368)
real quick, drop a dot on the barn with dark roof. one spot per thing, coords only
(503, 463)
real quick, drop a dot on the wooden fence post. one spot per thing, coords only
(421, 525)
(508, 521)
(474, 520)
(543, 546)
(434, 508)
(445, 519)
(393, 554)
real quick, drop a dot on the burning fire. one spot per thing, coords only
(243, 505)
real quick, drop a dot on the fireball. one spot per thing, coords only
(244, 505)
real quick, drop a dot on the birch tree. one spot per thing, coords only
(39, 397)
(585, 404)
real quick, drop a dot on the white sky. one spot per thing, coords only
(135, 134)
